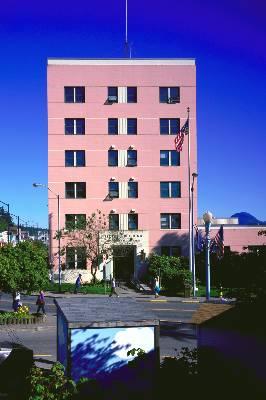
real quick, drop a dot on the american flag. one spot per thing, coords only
(179, 140)
(199, 238)
(217, 245)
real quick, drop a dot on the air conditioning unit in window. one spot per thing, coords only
(172, 100)
(112, 99)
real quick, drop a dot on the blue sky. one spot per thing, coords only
(228, 41)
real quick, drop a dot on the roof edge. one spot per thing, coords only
(121, 61)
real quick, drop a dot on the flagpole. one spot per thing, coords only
(189, 197)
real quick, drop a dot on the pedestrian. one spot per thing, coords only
(16, 301)
(113, 286)
(40, 302)
(78, 283)
(156, 287)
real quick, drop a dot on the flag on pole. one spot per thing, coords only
(217, 245)
(179, 140)
(199, 239)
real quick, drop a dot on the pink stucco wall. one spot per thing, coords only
(240, 237)
(96, 142)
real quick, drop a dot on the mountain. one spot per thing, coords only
(245, 218)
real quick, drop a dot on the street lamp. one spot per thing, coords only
(207, 218)
(58, 229)
(194, 176)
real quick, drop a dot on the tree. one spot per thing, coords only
(5, 220)
(23, 267)
(94, 239)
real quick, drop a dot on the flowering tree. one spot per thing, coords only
(92, 235)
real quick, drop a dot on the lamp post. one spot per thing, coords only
(207, 218)
(194, 176)
(58, 229)
(8, 233)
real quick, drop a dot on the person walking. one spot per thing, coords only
(78, 283)
(113, 286)
(40, 302)
(157, 287)
(16, 300)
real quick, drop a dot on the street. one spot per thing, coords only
(175, 330)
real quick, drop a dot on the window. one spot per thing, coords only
(132, 190)
(75, 190)
(170, 189)
(132, 222)
(74, 94)
(132, 158)
(113, 222)
(112, 94)
(174, 251)
(169, 158)
(75, 158)
(170, 95)
(114, 190)
(169, 126)
(76, 257)
(112, 158)
(74, 126)
(132, 95)
(170, 221)
(75, 221)
(132, 126)
(112, 126)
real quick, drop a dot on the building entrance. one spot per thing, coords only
(123, 262)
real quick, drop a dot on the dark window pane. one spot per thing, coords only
(164, 126)
(70, 221)
(132, 221)
(175, 189)
(81, 257)
(176, 251)
(132, 189)
(164, 157)
(174, 94)
(163, 94)
(69, 126)
(132, 126)
(112, 158)
(174, 126)
(113, 94)
(81, 221)
(80, 94)
(113, 222)
(165, 251)
(175, 221)
(70, 257)
(80, 158)
(131, 94)
(81, 190)
(112, 126)
(69, 95)
(131, 158)
(114, 189)
(70, 190)
(164, 186)
(69, 158)
(165, 221)
(80, 126)
(175, 158)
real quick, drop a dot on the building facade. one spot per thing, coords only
(111, 130)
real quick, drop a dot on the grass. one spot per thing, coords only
(98, 288)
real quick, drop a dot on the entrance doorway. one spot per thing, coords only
(123, 262)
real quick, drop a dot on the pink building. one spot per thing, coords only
(111, 129)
